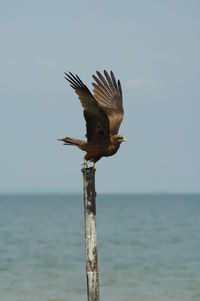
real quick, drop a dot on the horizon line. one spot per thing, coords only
(100, 193)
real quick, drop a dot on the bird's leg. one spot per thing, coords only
(93, 167)
(85, 164)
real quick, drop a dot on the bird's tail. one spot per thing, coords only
(73, 141)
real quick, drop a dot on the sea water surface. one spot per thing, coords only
(148, 247)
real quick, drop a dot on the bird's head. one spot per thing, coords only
(119, 139)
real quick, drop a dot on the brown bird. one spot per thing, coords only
(103, 113)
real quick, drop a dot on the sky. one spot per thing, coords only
(153, 47)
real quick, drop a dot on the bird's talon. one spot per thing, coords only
(85, 164)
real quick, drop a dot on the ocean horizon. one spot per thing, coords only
(148, 247)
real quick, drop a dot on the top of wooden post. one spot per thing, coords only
(88, 170)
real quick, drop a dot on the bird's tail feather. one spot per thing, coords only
(72, 141)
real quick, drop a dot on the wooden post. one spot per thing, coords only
(90, 234)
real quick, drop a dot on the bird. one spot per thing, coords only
(103, 112)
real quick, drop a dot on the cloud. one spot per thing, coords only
(141, 83)
(133, 83)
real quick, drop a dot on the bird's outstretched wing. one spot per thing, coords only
(97, 122)
(108, 93)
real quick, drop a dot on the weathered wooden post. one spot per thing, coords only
(90, 234)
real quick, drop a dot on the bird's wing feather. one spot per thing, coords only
(108, 94)
(97, 122)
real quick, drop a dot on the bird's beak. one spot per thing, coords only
(124, 139)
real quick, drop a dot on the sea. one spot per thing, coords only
(148, 247)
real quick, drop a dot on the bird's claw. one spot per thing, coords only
(85, 164)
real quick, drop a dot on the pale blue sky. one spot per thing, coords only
(152, 46)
